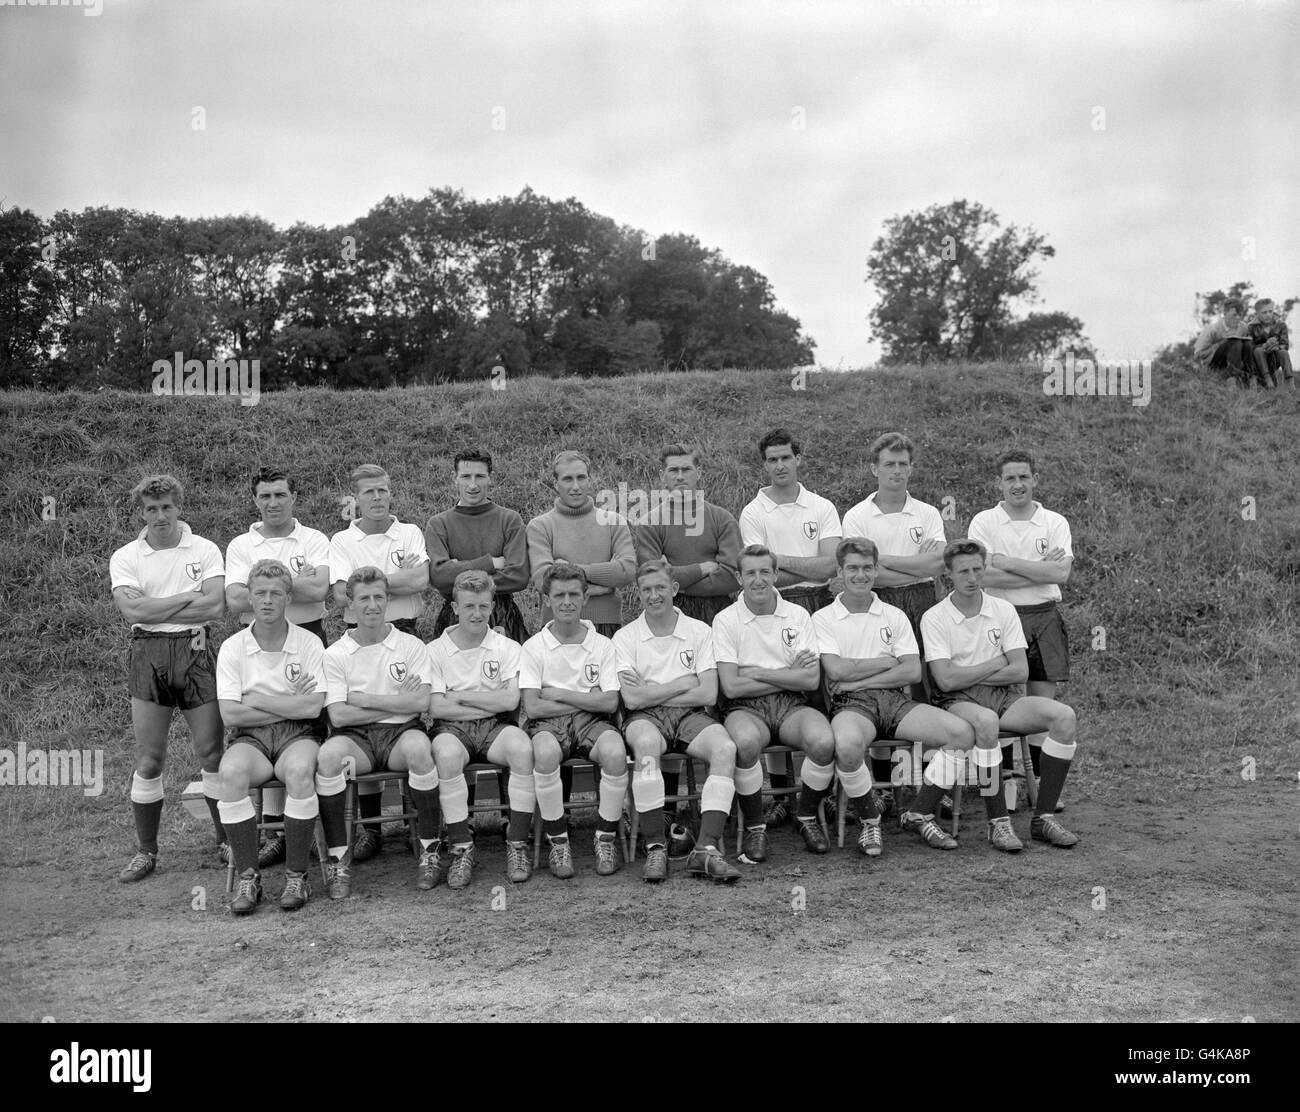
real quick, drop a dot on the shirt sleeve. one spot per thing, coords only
(121, 570)
(414, 542)
(824, 629)
(340, 562)
(828, 520)
(437, 680)
(530, 667)
(313, 661)
(724, 640)
(904, 639)
(705, 661)
(230, 684)
(238, 565)
(807, 634)
(624, 650)
(510, 657)
(1061, 536)
(336, 679)
(933, 527)
(935, 635)
(979, 531)
(608, 667)
(420, 663)
(210, 558)
(751, 526)
(316, 547)
(1013, 633)
(855, 523)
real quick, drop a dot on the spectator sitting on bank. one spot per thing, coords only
(1224, 344)
(1271, 343)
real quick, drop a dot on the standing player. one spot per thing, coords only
(594, 539)
(870, 657)
(700, 542)
(975, 648)
(801, 530)
(305, 552)
(568, 678)
(909, 536)
(168, 584)
(1029, 556)
(474, 705)
(269, 680)
(376, 684)
(478, 535)
(377, 539)
(768, 665)
(669, 683)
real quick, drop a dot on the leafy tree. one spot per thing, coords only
(1043, 335)
(26, 299)
(947, 278)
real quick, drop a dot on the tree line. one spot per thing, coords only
(440, 288)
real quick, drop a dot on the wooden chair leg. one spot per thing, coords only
(842, 798)
(537, 838)
(634, 821)
(1031, 781)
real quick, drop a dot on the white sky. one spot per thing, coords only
(677, 117)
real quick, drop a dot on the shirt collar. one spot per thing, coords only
(782, 610)
(551, 642)
(391, 531)
(351, 644)
(956, 616)
(876, 511)
(489, 642)
(292, 642)
(801, 499)
(261, 538)
(1004, 517)
(839, 611)
(645, 633)
(186, 541)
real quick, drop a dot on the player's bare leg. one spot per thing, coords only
(295, 768)
(1059, 747)
(648, 789)
(547, 755)
(205, 738)
(512, 749)
(807, 729)
(751, 736)
(241, 767)
(413, 754)
(331, 781)
(150, 723)
(984, 768)
(854, 734)
(610, 753)
(714, 744)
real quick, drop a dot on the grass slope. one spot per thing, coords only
(1198, 605)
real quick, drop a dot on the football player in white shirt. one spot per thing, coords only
(474, 706)
(976, 652)
(669, 683)
(167, 584)
(870, 657)
(909, 536)
(378, 539)
(270, 680)
(377, 683)
(1030, 556)
(801, 529)
(305, 552)
(568, 679)
(768, 666)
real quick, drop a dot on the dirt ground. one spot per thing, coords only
(1200, 901)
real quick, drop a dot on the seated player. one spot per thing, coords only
(870, 657)
(376, 684)
(569, 682)
(279, 535)
(975, 648)
(167, 584)
(270, 677)
(769, 667)
(1271, 343)
(669, 684)
(474, 706)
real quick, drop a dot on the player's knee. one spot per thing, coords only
(546, 754)
(300, 777)
(723, 753)
(850, 751)
(416, 754)
(519, 753)
(610, 753)
(958, 734)
(329, 761)
(1063, 722)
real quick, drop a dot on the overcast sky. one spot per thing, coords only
(683, 117)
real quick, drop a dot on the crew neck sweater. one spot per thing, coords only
(465, 538)
(599, 541)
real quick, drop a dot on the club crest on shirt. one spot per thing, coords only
(397, 556)
(995, 635)
(789, 636)
(292, 671)
(810, 530)
(591, 673)
(1040, 545)
(887, 635)
(491, 669)
(687, 657)
(916, 533)
(297, 563)
(194, 571)
(398, 670)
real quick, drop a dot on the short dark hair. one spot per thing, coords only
(963, 547)
(562, 572)
(775, 439)
(891, 442)
(653, 567)
(271, 475)
(856, 546)
(756, 550)
(1016, 455)
(472, 455)
(1234, 303)
(365, 575)
(679, 450)
(1262, 301)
